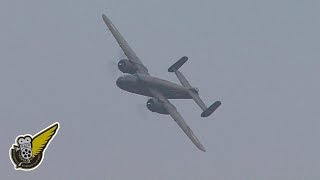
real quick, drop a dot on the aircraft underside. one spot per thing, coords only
(168, 89)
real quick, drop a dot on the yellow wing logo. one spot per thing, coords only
(28, 152)
(41, 140)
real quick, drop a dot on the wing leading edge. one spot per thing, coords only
(124, 45)
(184, 126)
(178, 119)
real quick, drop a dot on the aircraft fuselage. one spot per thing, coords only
(141, 83)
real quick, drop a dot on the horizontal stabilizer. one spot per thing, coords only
(178, 64)
(193, 92)
(211, 109)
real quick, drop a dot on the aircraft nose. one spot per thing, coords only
(119, 81)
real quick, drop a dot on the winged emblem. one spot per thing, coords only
(28, 153)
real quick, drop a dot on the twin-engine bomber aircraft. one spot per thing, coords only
(139, 81)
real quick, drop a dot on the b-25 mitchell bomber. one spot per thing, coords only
(138, 80)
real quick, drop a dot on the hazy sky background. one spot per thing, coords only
(260, 58)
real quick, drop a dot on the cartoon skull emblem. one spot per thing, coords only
(25, 147)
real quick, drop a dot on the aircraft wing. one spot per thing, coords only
(178, 118)
(125, 46)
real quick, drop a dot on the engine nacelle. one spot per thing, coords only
(127, 66)
(155, 105)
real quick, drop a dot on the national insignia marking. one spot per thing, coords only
(28, 152)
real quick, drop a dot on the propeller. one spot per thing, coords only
(112, 69)
(113, 65)
(142, 111)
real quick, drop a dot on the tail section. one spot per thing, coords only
(210, 109)
(207, 111)
(178, 64)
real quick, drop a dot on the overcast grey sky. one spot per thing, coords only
(260, 58)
